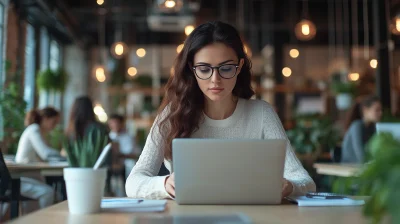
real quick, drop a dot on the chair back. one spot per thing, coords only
(5, 177)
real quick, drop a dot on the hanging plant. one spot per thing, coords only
(49, 80)
(61, 78)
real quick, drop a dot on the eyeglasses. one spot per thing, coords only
(226, 71)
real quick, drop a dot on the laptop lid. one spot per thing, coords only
(227, 171)
(393, 128)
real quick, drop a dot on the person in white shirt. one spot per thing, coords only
(208, 96)
(32, 147)
(127, 150)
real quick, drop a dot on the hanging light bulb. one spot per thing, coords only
(294, 53)
(141, 52)
(395, 25)
(169, 5)
(305, 30)
(188, 29)
(179, 48)
(119, 49)
(132, 71)
(286, 71)
(100, 2)
(100, 73)
(354, 76)
(373, 63)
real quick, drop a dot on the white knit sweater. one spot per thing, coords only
(252, 119)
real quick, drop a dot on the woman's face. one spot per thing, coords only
(213, 86)
(49, 123)
(373, 113)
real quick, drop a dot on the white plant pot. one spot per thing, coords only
(343, 101)
(85, 188)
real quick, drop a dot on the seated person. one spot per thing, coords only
(209, 97)
(118, 133)
(360, 128)
(32, 147)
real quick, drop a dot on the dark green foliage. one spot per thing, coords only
(344, 87)
(379, 178)
(49, 80)
(13, 113)
(313, 131)
(84, 152)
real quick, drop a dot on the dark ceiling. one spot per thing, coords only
(263, 21)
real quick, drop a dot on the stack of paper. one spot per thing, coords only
(305, 201)
(132, 205)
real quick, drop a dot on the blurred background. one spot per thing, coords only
(311, 59)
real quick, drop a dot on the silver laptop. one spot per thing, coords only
(227, 171)
(393, 128)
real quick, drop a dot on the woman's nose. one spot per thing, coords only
(215, 76)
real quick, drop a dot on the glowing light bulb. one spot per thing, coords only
(286, 71)
(100, 2)
(132, 71)
(119, 49)
(188, 29)
(100, 74)
(294, 53)
(141, 52)
(305, 29)
(354, 76)
(373, 63)
(398, 24)
(170, 4)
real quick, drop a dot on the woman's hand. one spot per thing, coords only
(287, 188)
(170, 185)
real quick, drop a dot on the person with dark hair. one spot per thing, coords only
(208, 96)
(32, 147)
(360, 127)
(82, 119)
(126, 143)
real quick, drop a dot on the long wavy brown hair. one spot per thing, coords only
(182, 108)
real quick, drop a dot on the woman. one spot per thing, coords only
(208, 97)
(33, 148)
(360, 128)
(82, 119)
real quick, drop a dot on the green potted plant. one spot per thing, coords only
(49, 80)
(379, 178)
(344, 92)
(85, 185)
(313, 134)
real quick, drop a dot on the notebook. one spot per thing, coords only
(305, 201)
(132, 205)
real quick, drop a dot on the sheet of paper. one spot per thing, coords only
(304, 201)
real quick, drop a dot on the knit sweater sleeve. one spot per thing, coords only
(143, 181)
(294, 171)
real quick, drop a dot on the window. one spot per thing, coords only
(44, 63)
(29, 80)
(54, 55)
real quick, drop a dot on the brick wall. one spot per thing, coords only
(13, 44)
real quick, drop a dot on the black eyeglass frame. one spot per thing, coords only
(213, 68)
